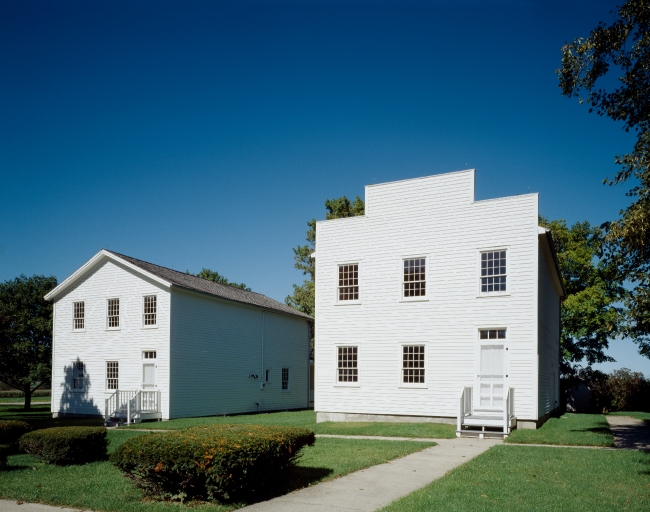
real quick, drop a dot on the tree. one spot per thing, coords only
(26, 333)
(591, 315)
(303, 295)
(622, 48)
(211, 275)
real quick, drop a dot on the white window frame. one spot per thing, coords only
(336, 287)
(414, 385)
(106, 378)
(144, 298)
(119, 315)
(337, 382)
(480, 293)
(421, 298)
(74, 329)
(75, 377)
(288, 368)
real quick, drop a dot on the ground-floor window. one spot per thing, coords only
(112, 375)
(78, 375)
(413, 364)
(347, 368)
(285, 379)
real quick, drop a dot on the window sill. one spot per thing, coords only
(348, 303)
(495, 294)
(414, 299)
(113, 328)
(414, 386)
(285, 390)
(342, 385)
(150, 326)
(78, 330)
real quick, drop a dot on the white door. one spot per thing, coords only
(491, 378)
(149, 376)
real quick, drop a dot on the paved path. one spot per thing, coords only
(13, 506)
(377, 486)
(629, 433)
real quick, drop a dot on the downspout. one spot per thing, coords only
(263, 372)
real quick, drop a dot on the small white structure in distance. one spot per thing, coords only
(134, 341)
(435, 307)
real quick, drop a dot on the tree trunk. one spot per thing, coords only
(28, 398)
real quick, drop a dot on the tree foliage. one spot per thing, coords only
(212, 275)
(622, 48)
(26, 333)
(303, 295)
(591, 315)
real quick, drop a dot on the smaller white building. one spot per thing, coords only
(435, 307)
(133, 341)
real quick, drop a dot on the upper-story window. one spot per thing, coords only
(414, 281)
(493, 271)
(78, 316)
(113, 313)
(348, 288)
(149, 311)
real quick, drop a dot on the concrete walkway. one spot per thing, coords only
(377, 486)
(19, 506)
(629, 433)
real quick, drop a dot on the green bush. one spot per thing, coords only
(19, 394)
(621, 390)
(5, 450)
(66, 445)
(11, 431)
(214, 462)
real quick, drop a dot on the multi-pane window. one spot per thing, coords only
(78, 375)
(267, 376)
(112, 374)
(113, 313)
(493, 271)
(149, 311)
(347, 370)
(78, 316)
(414, 277)
(149, 354)
(413, 364)
(285, 379)
(492, 334)
(348, 282)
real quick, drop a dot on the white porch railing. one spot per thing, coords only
(132, 404)
(508, 410)
(464, 406)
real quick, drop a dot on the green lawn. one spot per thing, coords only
(307, 419)
(100, 486)
(40, 417)
(20, 400)
(532, 478)
(568, 429)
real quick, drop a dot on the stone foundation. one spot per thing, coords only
(387, 418)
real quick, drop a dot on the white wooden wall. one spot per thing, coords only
(97, 344)
(217, 344)
(435, 217)
(549, 334)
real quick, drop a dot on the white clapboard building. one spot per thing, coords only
(435, 307)
(135, 341)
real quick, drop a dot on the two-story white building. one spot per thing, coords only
(133, 341)
(435, 307)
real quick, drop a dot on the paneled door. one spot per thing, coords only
(491, 378)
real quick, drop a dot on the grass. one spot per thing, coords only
(307, 419)
(40, 417)
(20, 400)
(532, 478)
(645, 416)
(100, 485)
(568, 429)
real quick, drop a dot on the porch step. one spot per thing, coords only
(481, 434)
(476, 420)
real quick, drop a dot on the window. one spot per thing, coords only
(348, 282)
(413, 364)
(348, 370)
(492, 334)
(149, 311)
(113, 313)
(285, 379)
(78, 316)
(267, 376)
(149, 354)
(78, 375)
(414, 283)
(112, 374)
(493, 271)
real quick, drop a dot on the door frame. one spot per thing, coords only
(149, 361)
(477, 364)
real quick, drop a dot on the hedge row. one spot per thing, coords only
(66, 445)
(11, 431)
(215, 462)
(20, 394)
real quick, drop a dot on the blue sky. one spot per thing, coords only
(206, 134)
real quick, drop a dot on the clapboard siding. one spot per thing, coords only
(96, 344)
(217, 344)
(549, 335)
(435, 217)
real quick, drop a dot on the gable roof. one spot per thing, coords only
(171, 277)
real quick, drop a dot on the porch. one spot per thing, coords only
(127, 406)
(494, 417)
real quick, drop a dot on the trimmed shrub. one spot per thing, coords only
(66, 445)
(214, 462)
(11, 431)
(5, 450)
